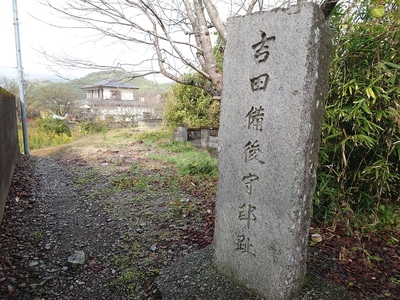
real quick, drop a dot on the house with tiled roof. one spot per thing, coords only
(113, 98)
(110, 90)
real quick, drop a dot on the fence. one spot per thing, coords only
(9, 148)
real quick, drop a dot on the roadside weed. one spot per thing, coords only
(87, 176)
(368, 258)
(37, 235)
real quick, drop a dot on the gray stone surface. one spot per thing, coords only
(193, 277)
(180, 133)
(9, 147)
(275, 81)
(77, 258)
(205, 137)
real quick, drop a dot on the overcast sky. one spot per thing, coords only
(36, 36)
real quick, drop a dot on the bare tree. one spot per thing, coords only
(177, 32)
(59, 98)
(31, 105)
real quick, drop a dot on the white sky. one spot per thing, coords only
(37, 36)
(34, 35)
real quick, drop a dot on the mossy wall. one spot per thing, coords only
(8, 144)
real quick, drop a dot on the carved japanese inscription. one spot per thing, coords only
(255, 118)
(243, 245)
(261, 48)
(247, 213)
(248, 181)
(259, 83)
(251, 152)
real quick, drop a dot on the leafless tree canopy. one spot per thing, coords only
(180, 34)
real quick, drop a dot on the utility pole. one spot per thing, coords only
(20, 78)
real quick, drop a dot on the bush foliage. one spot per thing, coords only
(46, 132)
(53, 126)
(360, 152)
(88, 127)
(190, 105)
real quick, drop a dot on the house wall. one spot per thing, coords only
(9, 148)
(92, 94)
(107, 93)
(124, 113)
(125, 94)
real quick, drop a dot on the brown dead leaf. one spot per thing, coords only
(91, 263)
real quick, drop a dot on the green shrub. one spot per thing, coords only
(360, 152)
(199, 164)
(53, 126)
(44, 136)
(88, 127)
(190, 105)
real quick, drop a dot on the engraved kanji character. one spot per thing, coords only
(261, 48)
(243, 244)
(259, 83)
(251, 152)
(246, 212)
(255, 117)
(248, 180)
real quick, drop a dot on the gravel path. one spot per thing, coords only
(40, 232)
(133, 217)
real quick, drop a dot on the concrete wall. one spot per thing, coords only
(8, 144)
(206, 135)
(150, 123)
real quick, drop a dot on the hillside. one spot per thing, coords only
(146, 87)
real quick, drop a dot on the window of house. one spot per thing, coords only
(115, 94)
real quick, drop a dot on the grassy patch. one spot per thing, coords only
(39, 137)
(200, 163)
(87, 177)
(176, 147)
(127, 181)
(126, 264)
(192, 163)
(37, 235)
(150, 137)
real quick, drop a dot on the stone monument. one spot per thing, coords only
(275, 81)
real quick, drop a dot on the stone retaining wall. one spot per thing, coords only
(8, 144)
(150, 123)
(207, 135)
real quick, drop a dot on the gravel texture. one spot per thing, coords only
(135, 218)
(193, 277)
(46, 229)
(125, 215)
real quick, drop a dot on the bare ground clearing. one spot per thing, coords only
(132, 213)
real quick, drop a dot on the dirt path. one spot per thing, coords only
(133, 214)
(61, 222)
(130, 216)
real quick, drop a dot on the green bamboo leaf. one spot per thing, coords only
(364, 138)
(378, 12)
(379, 115)
(392, 64)
(370, 93)
(366, 108)
(332, 136)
